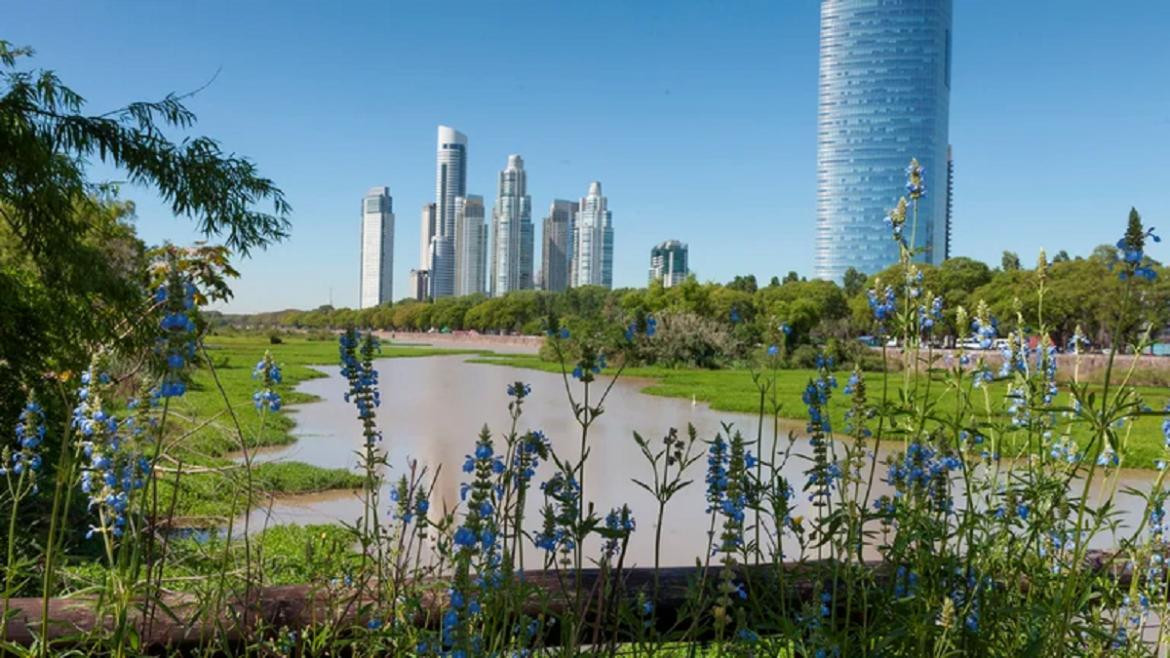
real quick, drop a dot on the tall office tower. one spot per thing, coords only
(668, 263)
(950, 200)
(470, 245)
(450, 182)
(556, 252)
(512, 238)
(592, 241)
(420, 284)
(885, 82)
(377, 261)
(427, 231)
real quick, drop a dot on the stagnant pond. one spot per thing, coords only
(434, 407)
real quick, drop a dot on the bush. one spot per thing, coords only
(274, 338)
(688, 339)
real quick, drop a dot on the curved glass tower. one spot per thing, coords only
(884, 98)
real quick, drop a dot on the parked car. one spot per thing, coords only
(971, 343)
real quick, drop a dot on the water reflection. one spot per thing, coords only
(434, 407)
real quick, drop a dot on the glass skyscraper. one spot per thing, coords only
(668, 263)
(470, 245)
(592, 241)
(377, 260)
(884, 98)
(557, 251)
(450, 182)
(512, 236)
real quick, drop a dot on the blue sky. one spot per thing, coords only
(699, 118)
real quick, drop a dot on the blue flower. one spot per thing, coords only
(773, 350)
(464, 537)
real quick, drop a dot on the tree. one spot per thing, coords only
(775, 282)
(65, 248)
(1060, 257)
(1010, 261)
(791, 277)
(744, 283)
(853, 282)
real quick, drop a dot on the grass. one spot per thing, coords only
(732, 389)
(207, 426)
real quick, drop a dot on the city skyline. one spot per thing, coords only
(1066, 163)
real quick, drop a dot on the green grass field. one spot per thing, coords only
(734, 390)
(207, 425)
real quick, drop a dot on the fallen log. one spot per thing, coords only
(184, 623)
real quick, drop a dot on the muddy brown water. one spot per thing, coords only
(434, 407)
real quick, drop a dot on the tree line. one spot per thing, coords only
(1079, 292)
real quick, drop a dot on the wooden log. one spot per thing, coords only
(184, 622)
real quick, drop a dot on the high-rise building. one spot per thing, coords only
(668, 263)
(512, 237)
(592, 241)
(450, 182)
(556, 252)
(377, 259)
(470, 245)
(420, 284)
(884, 98)
(427, 231)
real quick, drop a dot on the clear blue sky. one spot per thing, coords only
(699, 118)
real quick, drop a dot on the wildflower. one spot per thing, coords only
(268, 372)
(896, 220)
(915, 185)
(30, 434)
(519, 390)
(773, 350)
(357, 366)
(619, 523)
(1132, 246)
(881, 302)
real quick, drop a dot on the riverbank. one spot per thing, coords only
(733, 390)
(215, 419)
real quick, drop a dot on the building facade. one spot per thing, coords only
(512, 236)
(428, 228)
(377, 257)
(592, 241)
(556, 252)
(884, 98)
(450, 183)
(470, 245)
(668, 263)
(420, 284)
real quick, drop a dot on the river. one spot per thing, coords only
(434, 407)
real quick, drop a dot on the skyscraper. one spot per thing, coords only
(593, 241)
(450, 182)
(556, 253)
(377, 259)
(512, 238)
(884, 98)
(668, 263)
(470, 245)
(427, 231)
